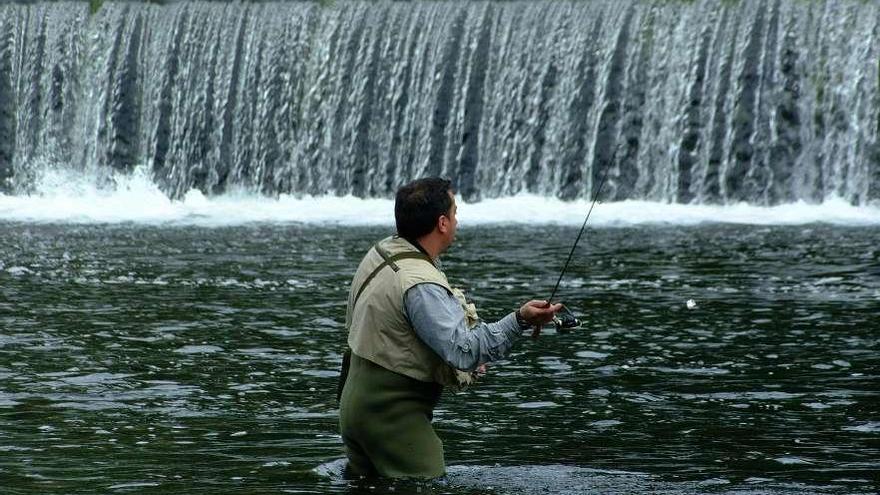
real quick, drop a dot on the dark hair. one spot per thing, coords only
(419, 205)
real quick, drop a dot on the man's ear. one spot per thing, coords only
(443, 224)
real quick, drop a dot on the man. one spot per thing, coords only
(411, 334)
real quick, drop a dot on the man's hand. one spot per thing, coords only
(538, 313)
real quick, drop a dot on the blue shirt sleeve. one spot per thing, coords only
(439, 321)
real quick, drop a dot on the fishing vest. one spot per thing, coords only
(378, 329)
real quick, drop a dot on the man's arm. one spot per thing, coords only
(439, 321)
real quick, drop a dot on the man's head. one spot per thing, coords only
(425, 209)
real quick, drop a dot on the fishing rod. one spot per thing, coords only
(565, 319)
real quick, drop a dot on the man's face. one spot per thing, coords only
(449, 223)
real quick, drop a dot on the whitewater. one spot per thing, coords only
(71, 197)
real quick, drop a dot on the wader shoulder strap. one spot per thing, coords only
(388, 261)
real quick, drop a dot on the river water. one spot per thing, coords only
(139, 358)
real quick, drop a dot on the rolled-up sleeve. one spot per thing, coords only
(439, 321)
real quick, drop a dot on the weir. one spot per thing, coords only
(705, 102)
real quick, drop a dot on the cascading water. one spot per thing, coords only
(708, 102)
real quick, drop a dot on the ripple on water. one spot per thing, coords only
(137, 484)
(869, 427)
(14, 448)
(591, 355)
(260, 351)
(537, 405)
(606, 423)
(744, 396)
(691, 371)
(198, 349)
(322, 373)
(554, 479)
(95, 378)
(282, 332)
(301, 413)
(790, 460)
(91, 405)
(553, 364)
(526, 480)
(18, 271)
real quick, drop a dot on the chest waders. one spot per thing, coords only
(384, 416)
(385, 422)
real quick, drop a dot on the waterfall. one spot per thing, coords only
(707, 102)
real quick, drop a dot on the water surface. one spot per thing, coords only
(160, 359)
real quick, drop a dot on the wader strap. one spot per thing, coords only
(389, 261)
(343, 373)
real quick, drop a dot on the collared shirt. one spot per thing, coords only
(439, 321)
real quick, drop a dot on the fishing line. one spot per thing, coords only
(584, 226)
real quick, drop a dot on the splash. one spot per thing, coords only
(70, 197)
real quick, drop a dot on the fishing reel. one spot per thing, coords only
(565, 321)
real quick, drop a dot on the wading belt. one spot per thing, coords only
(387, 261)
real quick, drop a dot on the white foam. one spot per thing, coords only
(535, 209)
(72, 197)
(64, 197)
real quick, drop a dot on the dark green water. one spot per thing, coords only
(191, 360)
